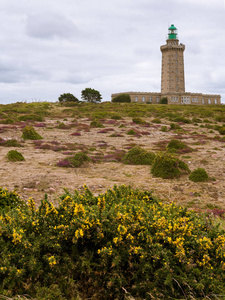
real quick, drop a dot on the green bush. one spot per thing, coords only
(7, 121)
(74, 161)
(157, 121)
(182, 119)
(96, 123)
(68, 98)
(222, 130)
(167, 166)
(174, 126)
(122, 98)
(112, 246)
(138, 156)
(10, 143)
(116, 117)
(14, 155)
(35, 117)
(199, 175)
(164, 129)
(164, 100)
(176, 146)
(138, 121)
(131, 132)
(8, 200)
(29, 133)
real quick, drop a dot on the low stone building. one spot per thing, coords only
(173, 79)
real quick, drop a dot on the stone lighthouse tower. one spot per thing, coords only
(172, 77)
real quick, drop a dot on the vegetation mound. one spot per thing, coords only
(178, 147)
(29, 133)
(74, 161)
(139, 156)
(118, 244)
(167, 166)
(14, 155)
(199, 175)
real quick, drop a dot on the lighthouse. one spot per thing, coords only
(172, 72)
(172, 79)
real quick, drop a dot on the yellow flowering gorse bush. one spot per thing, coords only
(123, 240)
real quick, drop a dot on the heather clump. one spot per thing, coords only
(138, 156)
(177, 146)
(168, 167)
(96, 123)
(74, 161)
(10, 143)
(138, 121)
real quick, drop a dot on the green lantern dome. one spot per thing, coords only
(172, 35)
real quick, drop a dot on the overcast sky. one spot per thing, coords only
(51, 47)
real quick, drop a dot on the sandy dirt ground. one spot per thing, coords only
(39, 173)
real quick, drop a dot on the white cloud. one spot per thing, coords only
(50, 25)
(55, 46)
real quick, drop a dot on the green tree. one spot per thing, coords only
(122, 98)
(91, 95)
(67, 97)
(163, 101)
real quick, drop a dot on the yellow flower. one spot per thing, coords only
(52, 261)
(17, 237)
(79, 233)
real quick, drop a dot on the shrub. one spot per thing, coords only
(14, 155)
(120, 243)
(138, 121)
(174, 126)
(116, 117)
(10, 143)
(222, 130)
(182, 119)
(164, 100)
(138, 156)
(122, 98)
(67, 97)
(96, 123)
(38, 118)
(164, 129)
(7, 121)
(178, 147)
(29, 133)
(9, 200)
(199, 175)
(131, 132)
(75, 161)
(157, 121)
(167, 166)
